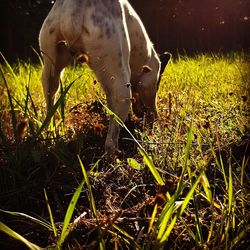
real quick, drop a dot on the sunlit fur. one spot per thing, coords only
(109, 36)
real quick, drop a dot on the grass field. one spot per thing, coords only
(183, 185)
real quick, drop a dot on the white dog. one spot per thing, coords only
(110, 37)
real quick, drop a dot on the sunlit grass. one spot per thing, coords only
(210, 92)
(203, 107)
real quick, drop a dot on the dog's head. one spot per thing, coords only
(144, 90)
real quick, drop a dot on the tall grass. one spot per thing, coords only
(195, 185)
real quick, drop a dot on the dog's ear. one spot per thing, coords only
(164, 58)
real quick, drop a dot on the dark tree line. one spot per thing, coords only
(197, 25)
(174, 25)
(20, 24)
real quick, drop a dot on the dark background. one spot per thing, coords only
(184, 26)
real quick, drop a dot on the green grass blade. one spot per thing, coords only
(134, 164)
(230, 214)
(190, 139)
(10, 69)
(164, 223)
(165, 227)
(12, 108)
(151, 166)
(17, 236)
(128, 236)
(230, 190)
(119, 238)
(32, 102)
(223, 171)
(219, 162)
(92, 202)
(186, 166)
(26, 102)
(189, 195)
(165, 236)
(239, 237)
(45, 224)
(66, 223)
(50, 214)
(38, 56)
(142, 151)
(123, 232)
(54, 108)
(152, 220)
(207, 188)
(167, 206)
(62, 104)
